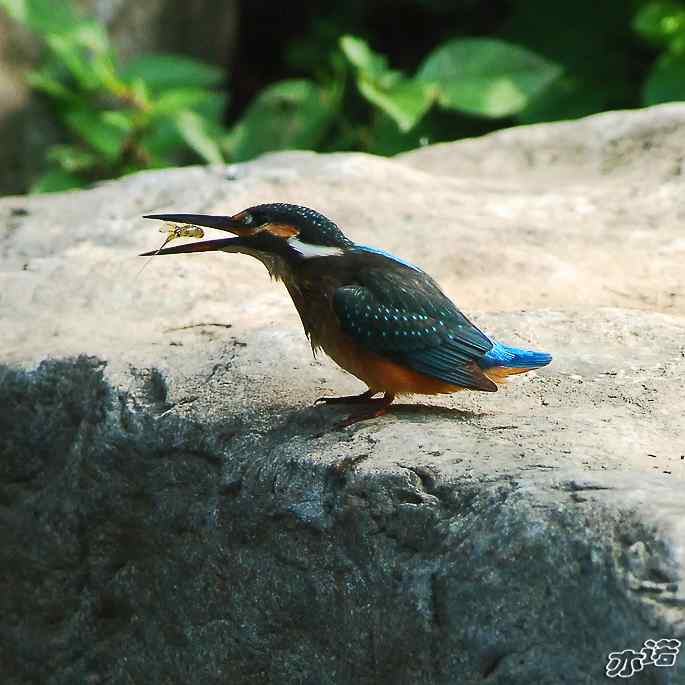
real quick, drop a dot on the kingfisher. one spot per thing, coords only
(379, 317)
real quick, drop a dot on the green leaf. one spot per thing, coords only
(92, 35)
(140, 93)
(105, 132)
(105, 73)
(486, 77)
(178, 99)
(162, 72)
(163, 143)
(70, 54)
(43, 16)
(118, 118)
(405, 101)
(666, 80)
(292, 114)
(385, 138)
(72, 158)
(68, 34)
(57, 180)
(213, 107)
(197, 132)
(659, 22)
(44, 81)
(362, 56)
(568, 97)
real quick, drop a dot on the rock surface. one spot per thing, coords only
(173, 509)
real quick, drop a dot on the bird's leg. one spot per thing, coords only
(376, 407)
(350, 399)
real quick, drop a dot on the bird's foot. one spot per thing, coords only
(376, 408)
(350, 399)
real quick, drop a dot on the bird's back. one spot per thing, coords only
(391, 311)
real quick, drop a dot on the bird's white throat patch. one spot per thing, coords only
(308, 251)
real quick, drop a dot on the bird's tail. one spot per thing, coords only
(502, 361)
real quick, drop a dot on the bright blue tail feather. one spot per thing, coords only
(513, 358)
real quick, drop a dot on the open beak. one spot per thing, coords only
(225, 244)
(223, 223)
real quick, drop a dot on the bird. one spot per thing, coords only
(379, 317)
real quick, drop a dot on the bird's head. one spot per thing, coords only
(277, 234)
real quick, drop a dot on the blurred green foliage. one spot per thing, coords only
(546, 61)
(157, 111)
(662, 24)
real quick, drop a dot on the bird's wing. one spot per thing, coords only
(404, 316)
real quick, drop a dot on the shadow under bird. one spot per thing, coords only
(377, 316)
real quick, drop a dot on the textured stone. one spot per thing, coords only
(173, 509)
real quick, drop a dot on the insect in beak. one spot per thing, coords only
(173, 232)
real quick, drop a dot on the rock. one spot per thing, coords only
(173, 509)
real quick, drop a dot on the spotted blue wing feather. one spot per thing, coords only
(404, 316)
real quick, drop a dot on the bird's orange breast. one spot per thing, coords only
(383, 375)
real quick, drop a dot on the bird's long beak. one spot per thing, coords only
(232, 224)
(225, 244)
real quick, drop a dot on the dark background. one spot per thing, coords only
(282, 80)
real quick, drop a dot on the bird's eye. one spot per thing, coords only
(248, 219)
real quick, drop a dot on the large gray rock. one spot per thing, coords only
(173, 509)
